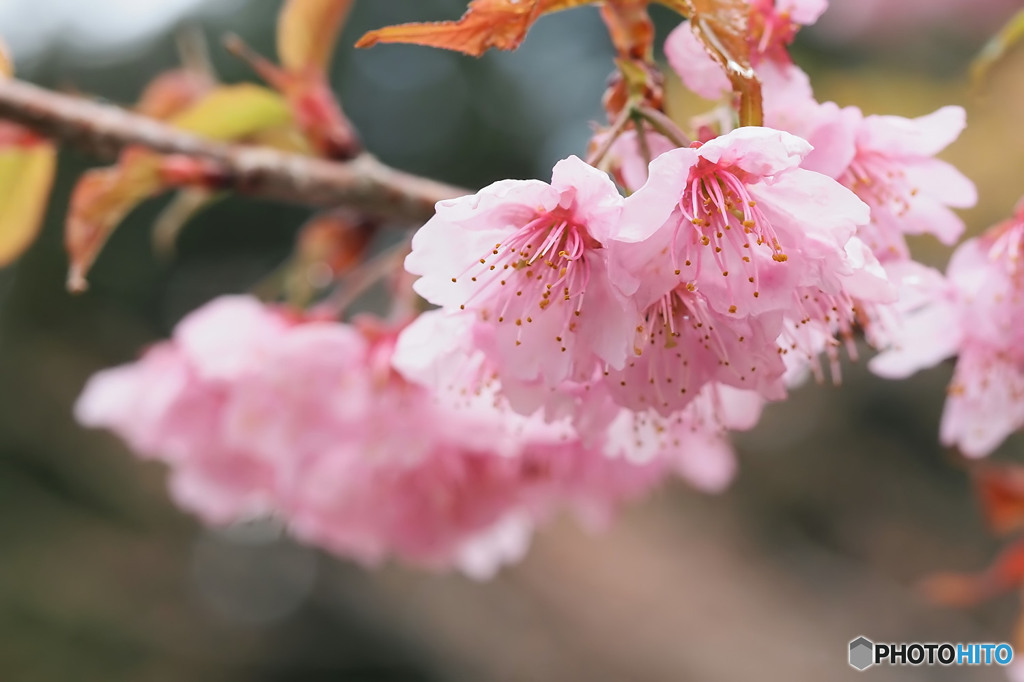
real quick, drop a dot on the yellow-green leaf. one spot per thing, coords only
(307, 31)
(6, 63)
(234, 111)
(26, 175)
(997, 48)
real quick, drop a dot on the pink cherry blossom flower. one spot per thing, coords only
(894, 170)
(692, 442)
(731, 239)
(973, 314)
(889, 162)
(773, 25)
(922, 329)
(831, 130)
(873, 22)
(731, 213)
(821, 320)
(530, 260)
(435, 351)
(309, 421)
(684, 344)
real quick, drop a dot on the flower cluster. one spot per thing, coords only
(594, 334)
(259, 412)
(973, 313)
(729, 259)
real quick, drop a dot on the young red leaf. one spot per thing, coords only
(630, 27)
(104, 196)
(14, 135)
(1001, 492)
(337, 239)
(307, 31)
(100, 201)
(967, 589)
(501, 24)
(317, 113)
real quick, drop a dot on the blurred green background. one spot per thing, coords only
(843, 502)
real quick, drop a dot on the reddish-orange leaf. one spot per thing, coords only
(500, 24)
(307, 31)
(14, 135)
(100, 201)
(630, 27)
(316, 112)
(503, 24)
(103, 197)
(1007, 572)
(957, 590)
(336, 239)
(965, 589)
(1001, 491)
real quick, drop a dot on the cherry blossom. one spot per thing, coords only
(736, 248)
(531, 260)
(436, 350)
(973, 314)
(309, 421)
(894, 170)
(890, 163)
(878, 22)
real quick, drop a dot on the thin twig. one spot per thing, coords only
(612, 135)
(664, 125)
(104, 130)
(641, 139)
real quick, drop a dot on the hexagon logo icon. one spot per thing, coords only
(862, 652)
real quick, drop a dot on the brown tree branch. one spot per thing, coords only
(103, 130)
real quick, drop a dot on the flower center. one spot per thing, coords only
(677, 348)
(818, 318)
(770, 32)
(542, 266)
(729, 226)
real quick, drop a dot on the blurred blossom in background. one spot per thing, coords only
(844, 498)
(874, 22)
